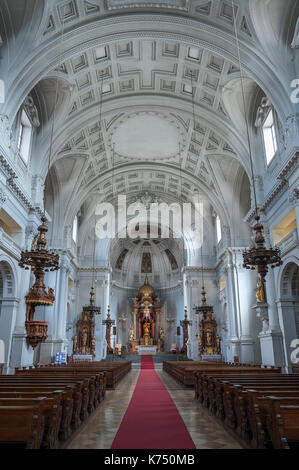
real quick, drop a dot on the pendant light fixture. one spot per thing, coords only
(258, 257)
(39, 258)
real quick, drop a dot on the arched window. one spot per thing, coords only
(75, 229)
(269, 133)
(24, 138)
(266, 120)
(218, 229)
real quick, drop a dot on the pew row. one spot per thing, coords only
(185, 372)
(261, 409)
(68, 401)
(114, 371)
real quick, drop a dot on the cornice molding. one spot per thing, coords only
(197, 269)
(99, 269)
(15, 188)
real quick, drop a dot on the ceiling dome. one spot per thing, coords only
(148, 263)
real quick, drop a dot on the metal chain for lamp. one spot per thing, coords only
(258, 257)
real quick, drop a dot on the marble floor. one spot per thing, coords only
(100, 429)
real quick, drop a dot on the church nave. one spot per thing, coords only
(100, 430)
(149, 224)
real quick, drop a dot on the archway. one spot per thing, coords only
(8, 308)
(288, 307)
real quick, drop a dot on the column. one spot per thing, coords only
(271, 340)
(21, 354)
(245, 297)
(288, 324)
(9, 307)
(232, 311)
(56, 315)
(294, 201)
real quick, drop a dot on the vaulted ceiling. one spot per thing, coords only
(131, 79)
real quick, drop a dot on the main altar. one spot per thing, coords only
(145, 331)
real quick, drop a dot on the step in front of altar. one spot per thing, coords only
(147, 350)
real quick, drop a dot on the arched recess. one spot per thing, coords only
(7, 280)
(274, 22)
(8, 305)
(233, 101)
(18, 20)
(288, 305)
(51, 95)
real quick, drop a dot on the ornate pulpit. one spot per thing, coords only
(41, 260)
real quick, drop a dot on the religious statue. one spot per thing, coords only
(131, 333)
(75, 342)
(209, 339)
(209, 343)
(161, 337)
(218, 344)
(146, 328)
(146, 311)
(200, 347)
(261, 292)
(84, 339)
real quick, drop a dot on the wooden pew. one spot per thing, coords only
(285, 424)
(52, 412)
(114, 372)
(242, 401)
(186, 372)
(231, 398)
(93, 389)
(81, 389)
(22, 426)
(260, 417)
(68, 391)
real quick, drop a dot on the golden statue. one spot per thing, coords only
(261, 292)
(84, 339)
(146, 333)
(146, 328)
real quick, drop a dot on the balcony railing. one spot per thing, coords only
(289, 242)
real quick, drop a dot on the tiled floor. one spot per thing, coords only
(205, 431)
(100, 430)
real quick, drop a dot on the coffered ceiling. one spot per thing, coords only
(140, 95)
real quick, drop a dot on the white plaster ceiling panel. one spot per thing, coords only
(147, 136)
(170, 4)
(135, 182)
(147, 66)
(75, 12)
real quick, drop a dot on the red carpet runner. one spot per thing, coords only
(152, 420)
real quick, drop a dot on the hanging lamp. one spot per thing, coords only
(258, 257)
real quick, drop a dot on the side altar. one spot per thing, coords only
(145, 330)
(84, 341)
